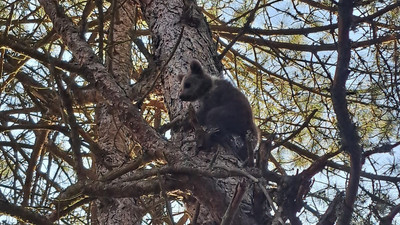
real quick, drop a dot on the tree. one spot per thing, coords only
(93, 131)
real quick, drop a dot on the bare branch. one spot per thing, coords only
(330, 215)
(349, 136)
(23, 214)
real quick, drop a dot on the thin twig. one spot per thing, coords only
(246, 26)
(165, 197)
(304, 125)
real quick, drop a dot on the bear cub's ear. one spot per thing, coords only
(196, 68)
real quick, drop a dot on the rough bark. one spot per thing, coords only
(348, 132)
(166, 19)
(117, 110)
(112, 93)
(47, 117)
(113, 135)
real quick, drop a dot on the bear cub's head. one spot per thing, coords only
(196, 84)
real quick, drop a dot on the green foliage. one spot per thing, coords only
(284, 62)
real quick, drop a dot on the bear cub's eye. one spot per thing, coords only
(186, 85)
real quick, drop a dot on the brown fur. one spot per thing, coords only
(224, 111)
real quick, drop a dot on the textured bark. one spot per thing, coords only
(114, 137)
(118, 130)
(39, 145)
(166, 19)
(112, 93)
(166, 22)
(348, 132)
(117, 110)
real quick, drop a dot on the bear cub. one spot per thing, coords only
(224, 111)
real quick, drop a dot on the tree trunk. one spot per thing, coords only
(167, 19)
(113, 136)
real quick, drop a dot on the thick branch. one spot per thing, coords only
(387, 220)
(23, 214)
(305, 47)
(347, 129)
(19, 46)
(330, 215)
(109, 89)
